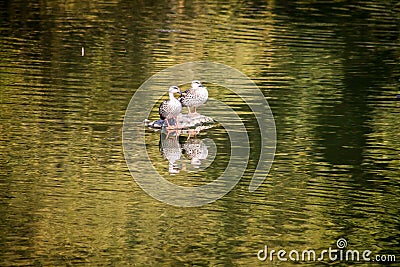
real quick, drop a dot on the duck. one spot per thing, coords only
(196, 96)
(170, 109)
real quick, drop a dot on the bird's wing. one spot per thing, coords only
(161, 109)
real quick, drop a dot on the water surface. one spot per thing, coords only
(329, 71)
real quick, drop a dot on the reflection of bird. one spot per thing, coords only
(171, 150)
(170, 109)
(196, 150)
(195, 96)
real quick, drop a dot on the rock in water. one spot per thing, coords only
(185, 121)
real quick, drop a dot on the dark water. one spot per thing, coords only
(329, 70)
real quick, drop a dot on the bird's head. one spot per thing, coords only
(174, 90)
(196, 84)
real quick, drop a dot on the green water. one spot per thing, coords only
(328, 69)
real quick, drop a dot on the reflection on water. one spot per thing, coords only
(194, 150)
(171, 149)
(329, 70)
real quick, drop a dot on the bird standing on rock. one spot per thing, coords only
(194, 97)
(170, 109)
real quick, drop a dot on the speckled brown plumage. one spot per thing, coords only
(170, 109)
(195, 96)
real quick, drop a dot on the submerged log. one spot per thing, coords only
(185, 121)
